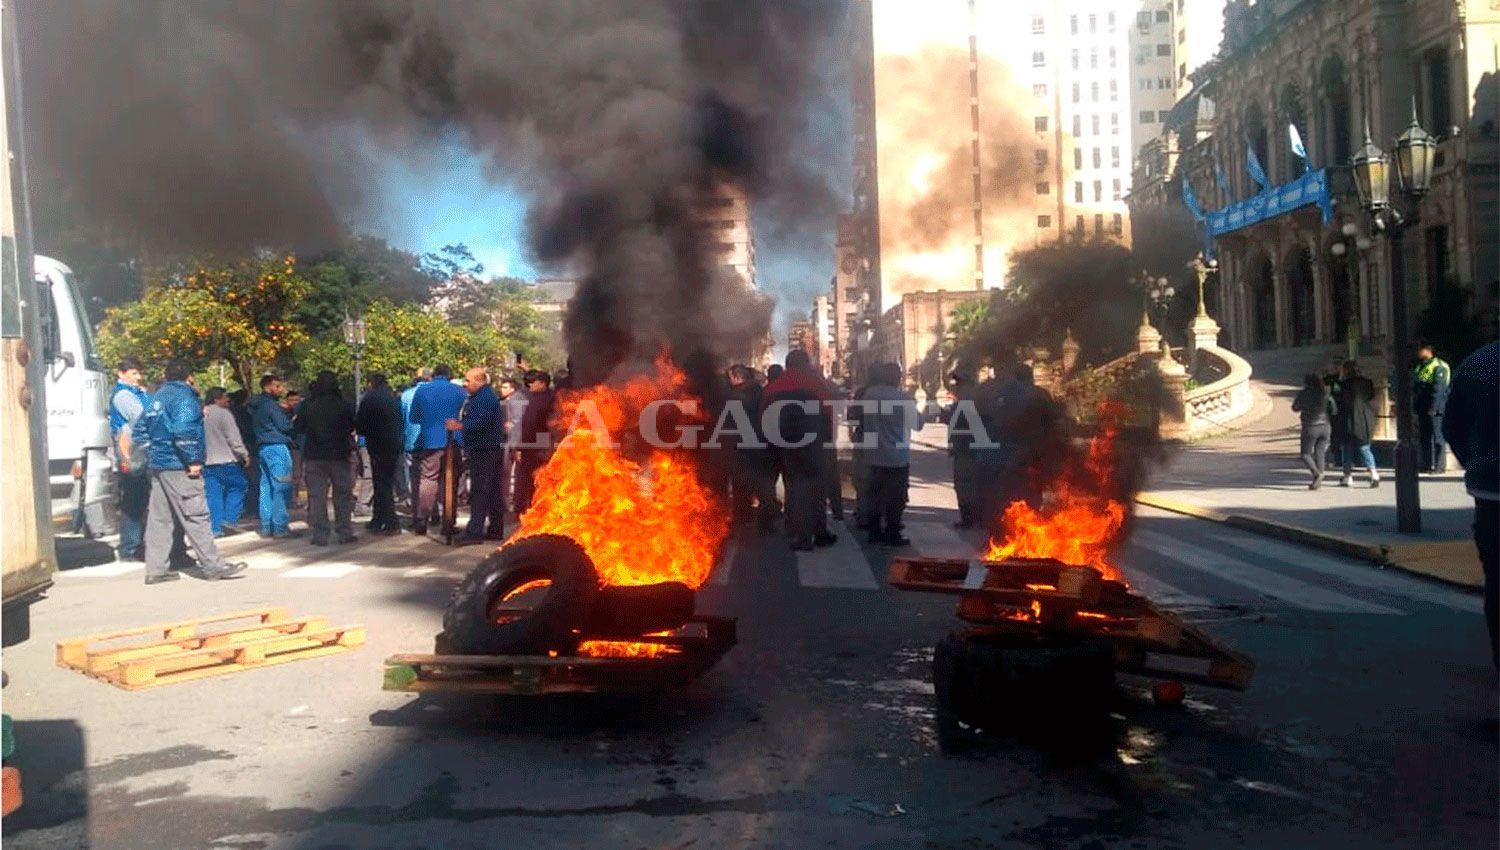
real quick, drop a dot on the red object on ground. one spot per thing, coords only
(10, 791)
(1168, 693)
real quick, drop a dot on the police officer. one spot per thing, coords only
(1429, 396)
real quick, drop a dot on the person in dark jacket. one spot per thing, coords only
(172, 429)
(273, 440)
(1430, 380)
(378, 420)
(432, 406)
(752, 492)
(325, 421)
(1471, 425)
(1356, 412)
(482, 422)
(535, 445)
(239, 405)
(799, 435)
(966, 482)
(1318, 410)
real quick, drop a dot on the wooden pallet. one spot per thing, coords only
(185, 650)
(1039, 594)
(699, 644)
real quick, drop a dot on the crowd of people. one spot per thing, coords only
(191, 468)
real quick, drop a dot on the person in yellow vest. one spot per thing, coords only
(1429, 396)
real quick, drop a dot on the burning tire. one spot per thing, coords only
(627, 611)
(1035, 683)
(532, 596)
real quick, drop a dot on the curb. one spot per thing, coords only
(1373, 553)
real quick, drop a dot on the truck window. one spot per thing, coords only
(90, 357)
(47, 308)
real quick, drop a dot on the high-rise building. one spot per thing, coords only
(801, 335)
(1158, 77)
(725, 213)
(997, 126)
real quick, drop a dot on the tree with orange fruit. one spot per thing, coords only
(237, 312)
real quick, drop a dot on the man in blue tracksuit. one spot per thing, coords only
(127, 402)
(432, 406)
(273, 438)
(172, 426)
(482, 423)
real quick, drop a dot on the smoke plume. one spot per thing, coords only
(225, 125)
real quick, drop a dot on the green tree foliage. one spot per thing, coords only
(400, 338)
(357, 273)
(205, 311)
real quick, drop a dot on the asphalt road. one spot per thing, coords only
(1371, 721)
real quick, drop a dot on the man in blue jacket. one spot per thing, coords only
(432, 406)
(482, 423)
(408, 471)
(273, 439)
(1471, 425)
(172, 427)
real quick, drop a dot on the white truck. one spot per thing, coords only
(77, 387)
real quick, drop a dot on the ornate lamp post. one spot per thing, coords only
(1414, 155)
(354, 337)
(1203, 331)
(1349, 249)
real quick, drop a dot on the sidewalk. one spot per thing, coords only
(1254, 479)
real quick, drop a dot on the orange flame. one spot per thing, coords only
(1079, 522)
(640, 521)
(627, 648)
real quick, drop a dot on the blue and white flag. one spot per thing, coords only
(1190, 200)
(1252, 165)
(1295, 138)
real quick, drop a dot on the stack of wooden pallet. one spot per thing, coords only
(1043, 595)
(167, 653)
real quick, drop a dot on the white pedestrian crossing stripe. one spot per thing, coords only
(1292, 591)
(939, 540)
(118, 568)
(841, 565)
(334, 570)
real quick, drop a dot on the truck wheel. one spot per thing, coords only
(632, 610)
(530, 597)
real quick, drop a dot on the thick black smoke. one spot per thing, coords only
(217, 126)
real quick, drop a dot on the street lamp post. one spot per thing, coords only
(354, 337)
(1349, 248)
(1413, 160)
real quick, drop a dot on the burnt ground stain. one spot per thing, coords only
(140, 764)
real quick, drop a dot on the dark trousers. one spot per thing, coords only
(751, 490)
(528, 461)
(383, 470)
(486, 500)
(806, 492)
(966, 487)
(887, 486)
(835, 484)
(135, 497)
(1487, 541)
(323, 475)
(1434, 452)
(1315, 448)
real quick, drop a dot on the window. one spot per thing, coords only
(1098, 191)
(726, 224)
(1117, 226)
(1182, 71)
(1163, 50)
(1077, 125)
(1098, 224)
(1163, 115)
(1041, 157)
(1039, 89)
(1147, 116)
(1164, 83)
(1163, 16)
(1144, 84)
(1436, 82)
(1117, 192)
(1073, 24)
(1114, 90)
(1114, 157)
(1044, 188)
(1094, 92)
(1114, 123)
(1077, 158)
(1098, 159)
(1038, 59)
(1110, 21)
(1044, 221)
(1078, 225)
(1075, 92)
(1143, 20)
(1078, 192)
(1041, 123)
(1075, 59)
(1181, 36)
(1112, 58)
(1093, 23)
(1038, 25)
(1093, 57)
(1094, 121)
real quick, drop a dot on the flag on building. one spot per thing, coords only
(1190, 200)
(1252, 165)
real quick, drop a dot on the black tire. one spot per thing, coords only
(470, 626)
(1032, 683)
(628, 611)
